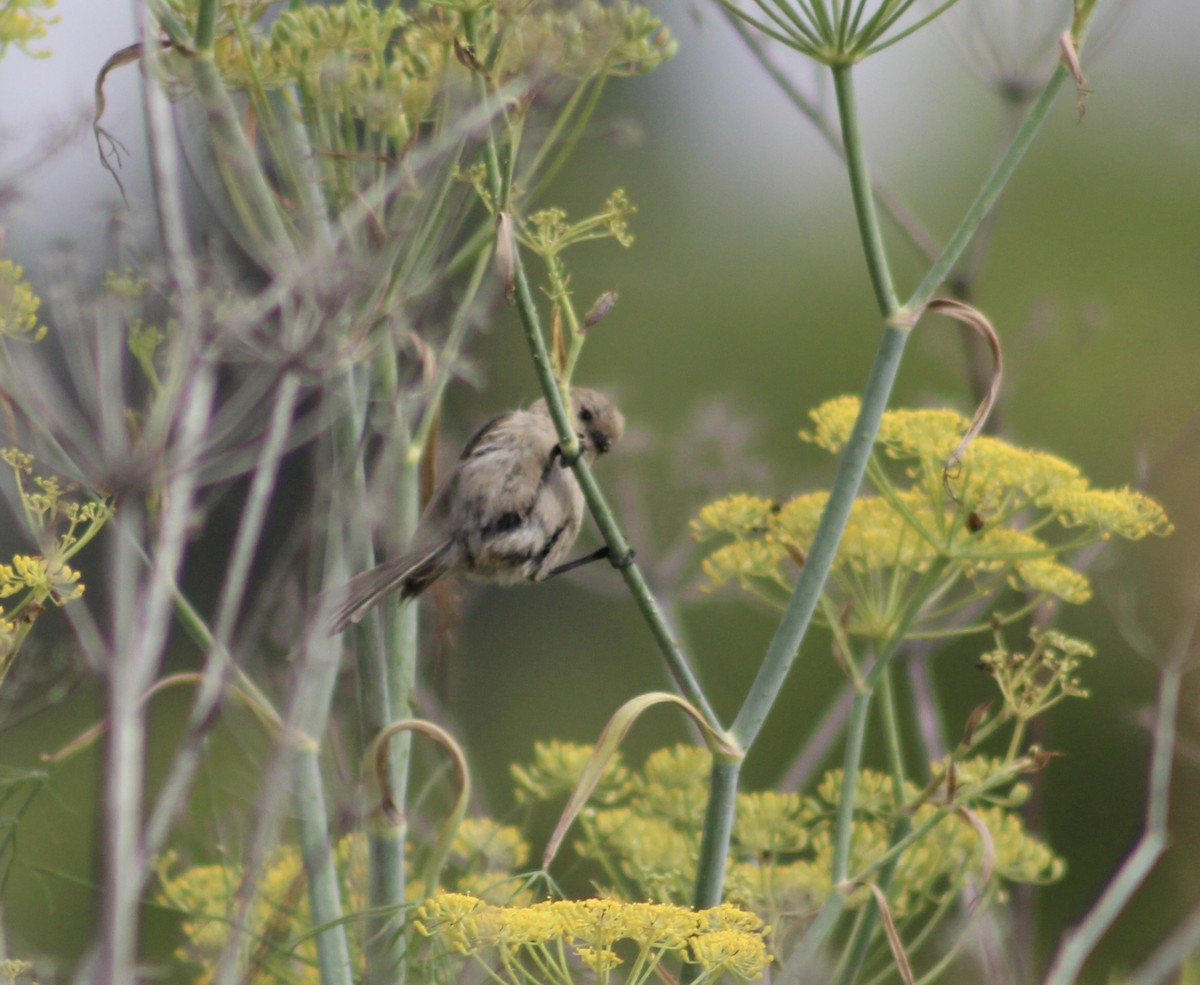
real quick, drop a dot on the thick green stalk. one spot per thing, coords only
(855, 952)
(308, 720)
(853, 464)
(316, 848)
(794, 624)
(206, 24)
(718, 827)
(877, 678)
(386, 891)
(385, 648)
(797, 617)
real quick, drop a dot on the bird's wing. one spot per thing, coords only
(481, 433)
(502, 472)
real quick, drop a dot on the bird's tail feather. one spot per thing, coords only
(412, 574)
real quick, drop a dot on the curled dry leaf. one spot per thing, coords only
(720, 744)
(1070, 56)
(974, 720)
(989, 850)
(974, 319)
(893, 935)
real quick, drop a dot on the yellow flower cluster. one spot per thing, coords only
(24, 21)
(47, 579)
(995, 477)
(549, 232)
(647, 839)
(722, 940)
(927, 539)
(354, 60)
(206, 894)
(18, 303)
(579, 40)
(556, 768)
(62, 527)
(384, 66)
(14, 968)
(277, 918)
(936, 866)
(1039, 679)
(483, 858)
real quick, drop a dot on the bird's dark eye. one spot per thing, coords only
(585, 415)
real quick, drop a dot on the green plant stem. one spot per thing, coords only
(798, 614)
(125, 750)
(308, 719)
(855, 952)
(206, 25)
(677, 661)
(718, 828)
(797, 617)
(243, 176)
(385, 654)
(977, 212)
(891, 731)
(864, 197)
(1079, 943)
(900, 215)
(386, 890)
(856, 736)
(878, 678)
(490, 150)
(316, 848)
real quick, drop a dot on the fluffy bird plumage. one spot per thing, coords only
(509, 511)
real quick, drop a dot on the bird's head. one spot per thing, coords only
(597, 421)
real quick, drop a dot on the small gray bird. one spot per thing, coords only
(508, 512)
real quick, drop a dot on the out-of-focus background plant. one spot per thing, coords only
(742, 306)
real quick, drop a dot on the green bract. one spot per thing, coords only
(837, 32)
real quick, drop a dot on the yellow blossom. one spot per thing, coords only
(592, 928)
(601, 960)
(18, 304)
(556, 770)
(1003, 516)
(731, 951)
